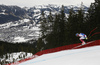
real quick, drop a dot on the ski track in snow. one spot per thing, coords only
(60, 54)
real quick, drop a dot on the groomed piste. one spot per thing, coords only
(75, 54)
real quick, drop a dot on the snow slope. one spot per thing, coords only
(83, 56)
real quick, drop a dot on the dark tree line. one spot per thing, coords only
(58, 30)
(6, 47)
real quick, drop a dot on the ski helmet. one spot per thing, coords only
(76, 34)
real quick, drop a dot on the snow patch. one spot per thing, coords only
(20, 39)
(14, 57)
(26, 20)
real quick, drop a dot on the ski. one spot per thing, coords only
(83, 44)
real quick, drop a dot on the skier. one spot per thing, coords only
(82, 37)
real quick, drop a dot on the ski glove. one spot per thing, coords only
(86, 38)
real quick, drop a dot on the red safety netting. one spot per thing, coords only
(67, 47)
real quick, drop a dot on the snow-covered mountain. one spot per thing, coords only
(35, 11)
(21, 24)
(11, 13)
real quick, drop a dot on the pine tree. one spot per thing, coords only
(80, 20)
(50, 20)
(44, 25)
(93, 17)
(59, 29)
(72, 26)
(94, 14)
(62, 26)
(57, 37)
(52, 38)
(40, 44)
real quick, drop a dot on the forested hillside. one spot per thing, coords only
(60, 30)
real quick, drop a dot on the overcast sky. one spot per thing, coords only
(30, 3)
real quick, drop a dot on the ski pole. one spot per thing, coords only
(92, 31)
(94, 34)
